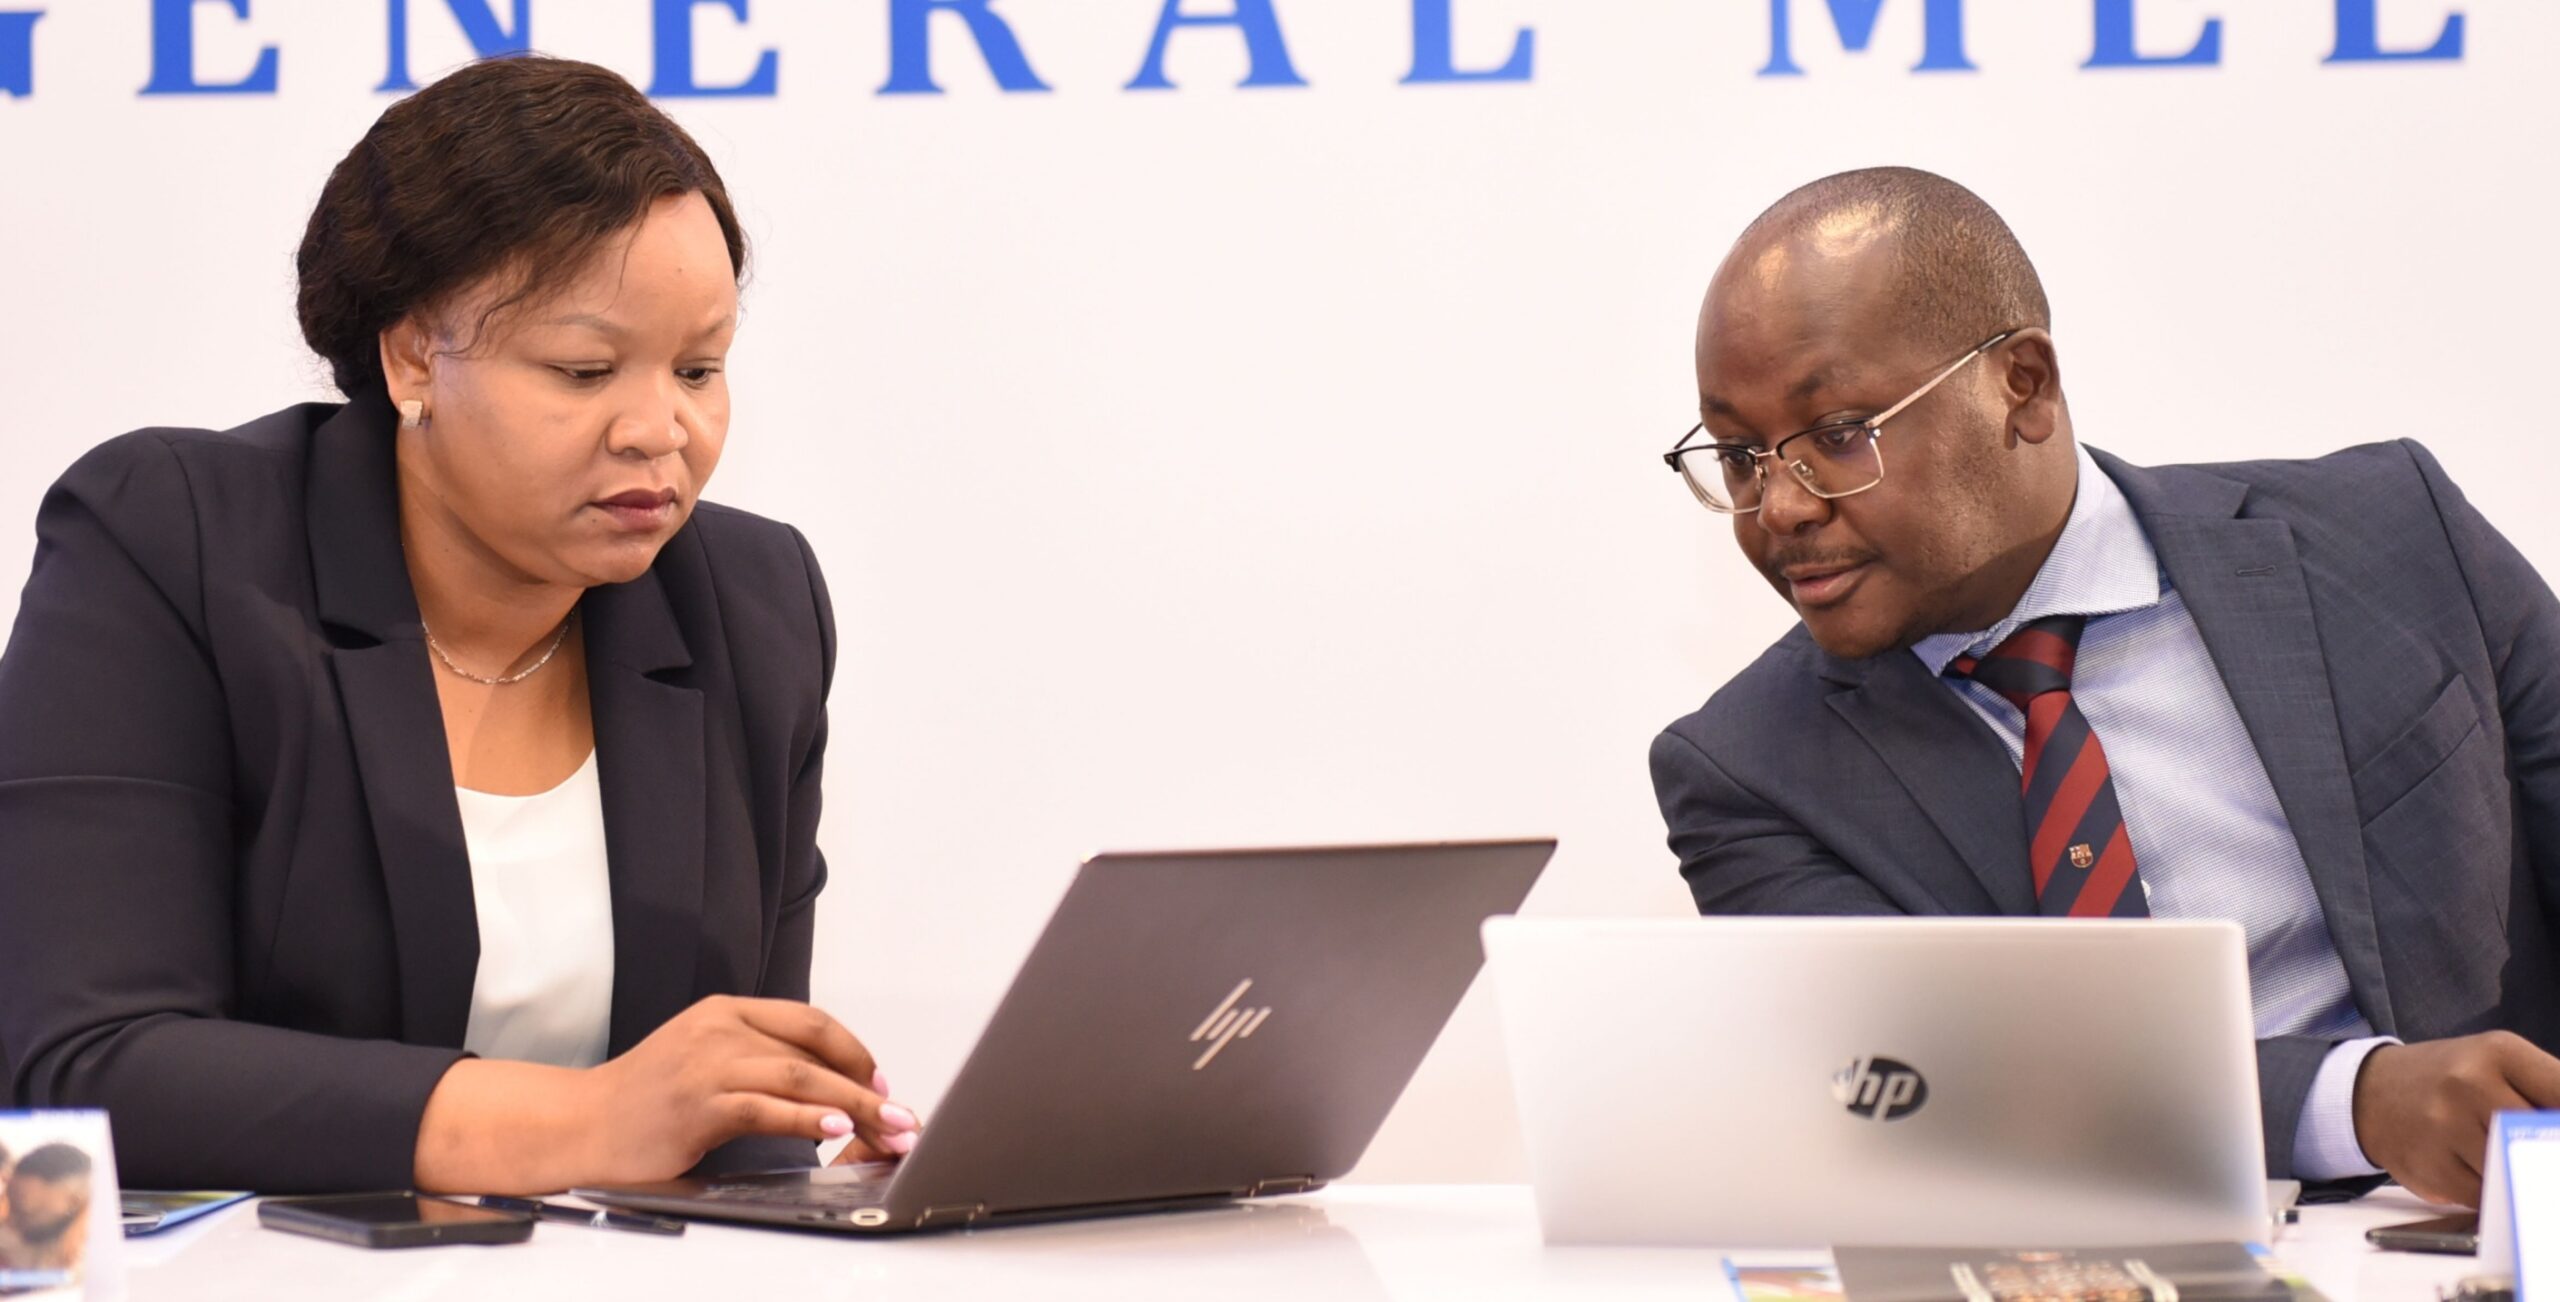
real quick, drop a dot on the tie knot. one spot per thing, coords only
(2029, 663)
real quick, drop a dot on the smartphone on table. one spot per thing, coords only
(2458, 1235)
(393, 1220)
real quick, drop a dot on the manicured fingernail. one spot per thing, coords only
(901, 1143)
(896, 1118)
(836, 1124)
(880, 1083)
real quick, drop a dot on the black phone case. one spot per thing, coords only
(314, 1219)
(2412, 1238)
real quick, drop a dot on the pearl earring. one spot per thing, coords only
(413, 413)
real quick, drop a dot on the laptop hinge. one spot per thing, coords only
(1287, 1184)
(964, 1213)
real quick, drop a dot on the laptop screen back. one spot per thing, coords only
(1922, 1082)
(1208, 1022)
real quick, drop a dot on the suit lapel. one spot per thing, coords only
(2242, 581)
(649, 753)
(387, 690)
(649, 761)
(1952, 765)
(398, 730)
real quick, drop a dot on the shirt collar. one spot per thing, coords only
(2102, 565)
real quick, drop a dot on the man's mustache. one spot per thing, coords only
(1814, 560)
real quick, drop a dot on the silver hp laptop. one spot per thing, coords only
(1789, 1082)
(1192, 1028)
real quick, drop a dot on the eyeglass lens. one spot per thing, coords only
(1832, 461)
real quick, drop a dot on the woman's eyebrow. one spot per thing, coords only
(589, 320)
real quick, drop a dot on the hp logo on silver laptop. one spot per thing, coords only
(1227, 1023)
(1880, 1088)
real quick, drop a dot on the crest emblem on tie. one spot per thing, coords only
(2082, 856)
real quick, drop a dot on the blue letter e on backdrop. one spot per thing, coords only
(173, 53)
(673, 75)
(2114, 47)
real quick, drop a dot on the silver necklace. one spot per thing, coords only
(516, 677)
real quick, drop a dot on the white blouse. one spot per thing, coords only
(544, 992)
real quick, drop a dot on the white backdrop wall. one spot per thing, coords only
(1220, 465)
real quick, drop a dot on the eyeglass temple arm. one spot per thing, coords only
(1672, 457)
(1934, 380)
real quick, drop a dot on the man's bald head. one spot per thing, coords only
(1866, 293)
(1960, 275)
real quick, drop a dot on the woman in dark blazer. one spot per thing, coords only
(260, 680)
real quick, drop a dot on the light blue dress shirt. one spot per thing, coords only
(2209, 838)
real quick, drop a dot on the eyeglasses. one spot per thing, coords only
(1834, 460)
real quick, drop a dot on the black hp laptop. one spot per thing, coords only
(1191, 1029)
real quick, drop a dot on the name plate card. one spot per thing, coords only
(61, 1231)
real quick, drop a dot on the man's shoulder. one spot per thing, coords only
(1772, 698)
(2346, 511)
(2365, 463)
(2351, 482)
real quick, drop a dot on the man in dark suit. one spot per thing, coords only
(2318, 697)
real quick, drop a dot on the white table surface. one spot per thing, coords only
(1345, 1244)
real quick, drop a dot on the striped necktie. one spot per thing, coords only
(2077, 847)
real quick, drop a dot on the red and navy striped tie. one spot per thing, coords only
(2077, 847)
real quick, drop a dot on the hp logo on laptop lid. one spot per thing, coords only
(1227, 1023)
(1880, 1088)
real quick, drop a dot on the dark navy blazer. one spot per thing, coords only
(235, 906)
(2395, 660)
